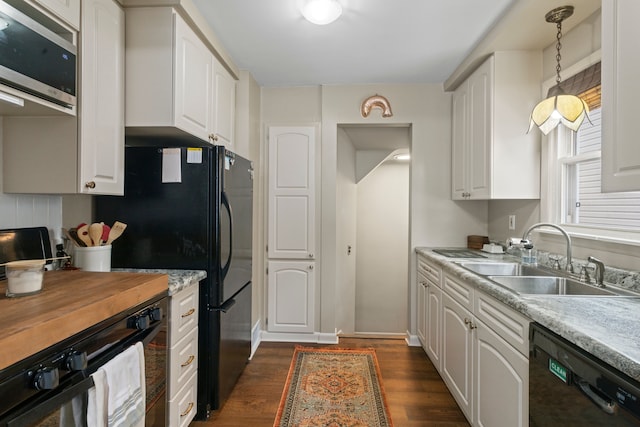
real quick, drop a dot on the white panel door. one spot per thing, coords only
(457, 353)
(459, 137)
(101, 129)
(434, 324)
(292, 193)
(224, 110)
(620, 93)
(193, 82)
(422, 311)
(291, 288)
(479, 141)
(501, 382)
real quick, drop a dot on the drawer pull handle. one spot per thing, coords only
(189, 408)
(469, 323)
(189, 361)
(189, 313)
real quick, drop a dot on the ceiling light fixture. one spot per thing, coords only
(559, 107)
(321, 12)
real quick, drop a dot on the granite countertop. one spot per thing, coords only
(606, 327)
(178, 279)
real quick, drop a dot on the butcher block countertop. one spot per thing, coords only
(70, 302)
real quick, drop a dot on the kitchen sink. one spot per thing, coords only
(549, 285)
(501, 268)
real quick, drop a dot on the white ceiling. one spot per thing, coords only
(379, 41)
(374, 41)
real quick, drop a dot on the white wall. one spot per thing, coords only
(435, 220)
(382, 257)
(346, 218)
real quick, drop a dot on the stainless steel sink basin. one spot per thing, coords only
(549, 285)
(501, 268)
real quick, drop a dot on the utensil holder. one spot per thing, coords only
(93, 258)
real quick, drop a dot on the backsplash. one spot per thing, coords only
(27, 210)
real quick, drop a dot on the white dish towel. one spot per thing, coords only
(118, 397)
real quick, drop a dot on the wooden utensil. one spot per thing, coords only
(95, 233)
(83, 234)
(116, 231)
(105, 232)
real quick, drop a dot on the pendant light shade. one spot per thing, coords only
(569, 110)
(321, 12)
(559, 107)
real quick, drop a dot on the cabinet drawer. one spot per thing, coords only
(459, 291)
(183, 314)
(429, 270)
(510, 325)
(182, 409)
(183, 362)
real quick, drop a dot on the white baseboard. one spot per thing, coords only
(255, 338)
(315, 337)
(412, 340)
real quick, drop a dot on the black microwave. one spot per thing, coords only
(36, 60)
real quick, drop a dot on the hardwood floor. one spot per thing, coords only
(416, 394)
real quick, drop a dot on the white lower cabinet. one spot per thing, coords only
(291, 291)
(430, 310)
(480, 347)
(182, 385)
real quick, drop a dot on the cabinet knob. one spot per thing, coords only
(310, 255)
(213, 137)
(90, 184)
(311, 267)
(469, 323)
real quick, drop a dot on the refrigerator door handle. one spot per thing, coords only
(225, 203)
(226, 306)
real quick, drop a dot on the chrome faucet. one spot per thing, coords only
(599, 271)
(525, 236)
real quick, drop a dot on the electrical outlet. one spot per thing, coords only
(512, 222)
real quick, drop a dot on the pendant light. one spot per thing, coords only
(559, 107)
(321, 12)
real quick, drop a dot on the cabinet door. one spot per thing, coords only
(457, 353)
(68, 10)
(620, 92)
(193, 82)
(422, 311)
(291, 193)
(224, 110)
(101, 126)
(479, 141)
(291, 295)
(434, 325)
(501, 382)
(459, 143)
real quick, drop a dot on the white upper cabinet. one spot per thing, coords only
(101, 130)
(85, 153)
(493, 156)
(224, 90)
(175, 85)
(68, 10)
(292, 193)
(620, 93)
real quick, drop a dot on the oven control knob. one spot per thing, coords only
(155, 314)
(140, 322)
(46, 379)
(76, 361)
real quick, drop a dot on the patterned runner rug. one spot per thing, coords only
(333, 388)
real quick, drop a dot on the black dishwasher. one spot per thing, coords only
(569, 387)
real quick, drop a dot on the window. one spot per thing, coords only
(580, 202)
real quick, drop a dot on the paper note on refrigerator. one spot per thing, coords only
(171, 166)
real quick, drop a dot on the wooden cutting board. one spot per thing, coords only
(70, 301)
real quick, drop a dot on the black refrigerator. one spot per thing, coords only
(191, 208)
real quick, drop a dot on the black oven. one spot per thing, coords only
(569, 387)
(34, 392)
